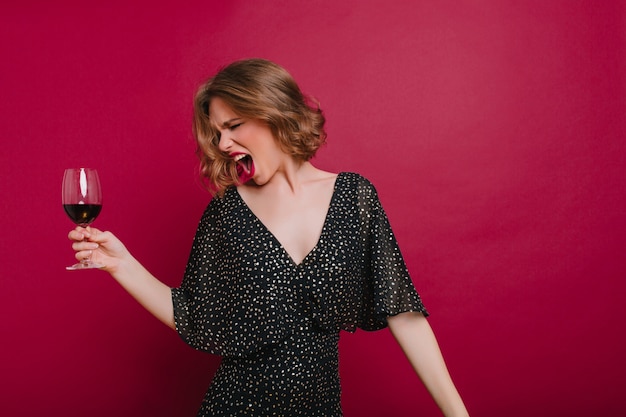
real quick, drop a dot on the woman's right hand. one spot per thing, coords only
(102, 247)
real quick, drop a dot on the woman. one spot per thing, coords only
(285, 256)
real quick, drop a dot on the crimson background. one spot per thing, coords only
(494, 131)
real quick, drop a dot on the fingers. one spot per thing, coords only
(88, 242)
(99, 237)
(85, 245)
(76, 235)
(103, 245)
(83, 255)
(82, 233)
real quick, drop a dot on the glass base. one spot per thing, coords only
(84, 265)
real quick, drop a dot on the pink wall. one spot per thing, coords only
(494, 131)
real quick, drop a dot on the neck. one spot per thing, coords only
(293, 175)
(289, 178)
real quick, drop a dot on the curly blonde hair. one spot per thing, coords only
(262, 90)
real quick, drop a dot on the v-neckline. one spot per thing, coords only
(273, 236)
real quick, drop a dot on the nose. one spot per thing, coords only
(226, 142)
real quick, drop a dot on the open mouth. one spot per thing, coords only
(244, 163)
(245, 167)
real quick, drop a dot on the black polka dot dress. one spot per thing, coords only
(276, 323)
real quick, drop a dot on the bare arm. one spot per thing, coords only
(419, 344)
(108, 250)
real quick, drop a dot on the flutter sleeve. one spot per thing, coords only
(225, 304)
(387, 286)
(193, 298)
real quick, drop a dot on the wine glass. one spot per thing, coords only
(82, 201)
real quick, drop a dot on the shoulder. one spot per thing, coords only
(221, 204)
(356, 191)
(357, 183)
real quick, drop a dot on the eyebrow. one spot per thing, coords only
(230, 122)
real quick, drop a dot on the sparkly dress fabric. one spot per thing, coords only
(276, 323)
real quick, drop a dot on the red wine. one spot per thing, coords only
(82, 214)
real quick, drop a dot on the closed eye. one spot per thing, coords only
(227, 125)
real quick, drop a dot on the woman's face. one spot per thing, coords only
(249, 142)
